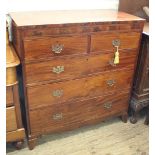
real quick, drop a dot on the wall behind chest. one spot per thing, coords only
(32, 5)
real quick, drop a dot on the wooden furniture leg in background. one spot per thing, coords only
(32, 143)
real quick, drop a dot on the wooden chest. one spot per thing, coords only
(69, 75)
(14, 128)
(140, 91)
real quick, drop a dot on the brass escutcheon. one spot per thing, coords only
(107, 105)
(58, 116)
(116, 42)
(57, 93)
(58, 69)
(57, 48)
(111, 82)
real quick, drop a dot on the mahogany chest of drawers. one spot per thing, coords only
(77, 66)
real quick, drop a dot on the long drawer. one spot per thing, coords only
(63, 117)
(66, 68)
(97, 85)
(104, 42)
(11, 123)
(45, 47)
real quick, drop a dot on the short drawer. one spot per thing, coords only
(72, 115)
(59, 69)
(9, 95)
(105, 42)
(40, 48)
(11, 123)
(97, 85)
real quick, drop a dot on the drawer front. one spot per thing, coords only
(105, 42)
(9, 96)
(56, 93)
(59, 69)
(46, 47)
(65, 117)
(11, 123)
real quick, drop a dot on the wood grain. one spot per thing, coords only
(78, 89)
(12, 58)
(9, 96)
(43, 71)
(77, 113)
(69, 16)
(101, 42)
(16, 135)
(11, 123)
(41, 48)
(11, 62)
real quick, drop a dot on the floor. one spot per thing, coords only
(112, 137)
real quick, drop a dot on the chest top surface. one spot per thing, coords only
(70, 16)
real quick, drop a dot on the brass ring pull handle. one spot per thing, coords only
(58, 69)
(116, 43)
(107, 105)
(57, 116)
(111, 82)
(57, 48)
(58, 93)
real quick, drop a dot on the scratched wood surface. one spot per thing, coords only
(111, 137)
